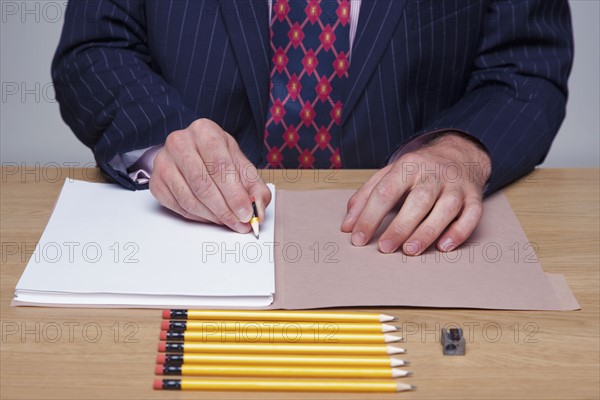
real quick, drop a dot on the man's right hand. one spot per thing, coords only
(202, 174)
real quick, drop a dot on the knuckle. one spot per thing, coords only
(267, 194)
(201, 186)
(237, 199)
(188, 204)
(202, 125)
(385, 192)
(352, 202)
(429, 233)
(365, 224)
(460, 233)
(175, 141)
(217, 167)
(476, 208)
(227, 217)
(423, 194)
(398, 230)
(454, 203)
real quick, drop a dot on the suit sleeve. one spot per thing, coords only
(108, 87)
(516, 96)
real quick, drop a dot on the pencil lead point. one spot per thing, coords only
(386, 318)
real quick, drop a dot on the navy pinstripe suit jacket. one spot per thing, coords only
(127, 73)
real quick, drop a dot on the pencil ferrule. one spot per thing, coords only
(174, 347)
(172, 369)
(171, 384)
(174, 359)
(179, 314)
(177, 326)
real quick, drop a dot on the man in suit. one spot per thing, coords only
(448, 99)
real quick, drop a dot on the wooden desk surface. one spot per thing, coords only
(99, 354)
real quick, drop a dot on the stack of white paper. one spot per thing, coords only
(108, 247)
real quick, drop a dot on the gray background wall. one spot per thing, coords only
(32, 132)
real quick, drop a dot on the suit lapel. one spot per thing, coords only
(247, 22)
(377, 21)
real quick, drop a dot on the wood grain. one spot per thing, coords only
(99, 354)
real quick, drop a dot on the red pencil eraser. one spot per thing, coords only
(162, 346)
(161, 358)
(157, 384)
(166, 314)
(252, 199)
(159, 369)
(163, 335)
(164, 325)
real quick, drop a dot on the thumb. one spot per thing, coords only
(252, 182)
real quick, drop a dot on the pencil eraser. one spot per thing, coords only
(159, 369)
(157, 385)
(164, 325)
(252, 199)
(163, 335)
(162, 346)
(161, 358)
(166, 314)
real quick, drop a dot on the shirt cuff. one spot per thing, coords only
(141, 170)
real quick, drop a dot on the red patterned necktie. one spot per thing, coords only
(310, 42)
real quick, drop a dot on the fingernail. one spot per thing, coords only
(359, 239)
(411, 248)
(244, 214)
(387, 246)
(447, 245)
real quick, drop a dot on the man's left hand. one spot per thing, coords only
(440, 187)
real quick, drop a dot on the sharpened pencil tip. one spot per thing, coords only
(400, 387)
(395, 350)
(387, 338)
(254, 225)
(385, 328)
(386, 318)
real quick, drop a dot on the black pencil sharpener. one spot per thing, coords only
(453, 342)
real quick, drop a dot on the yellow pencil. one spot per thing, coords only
(280, 360)
(281, 348)
(277, 326)
(254, 223)
(279, 372)
(295, 385)
(292, 336)
(295, 316)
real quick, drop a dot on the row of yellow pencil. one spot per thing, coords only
(279, 350)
